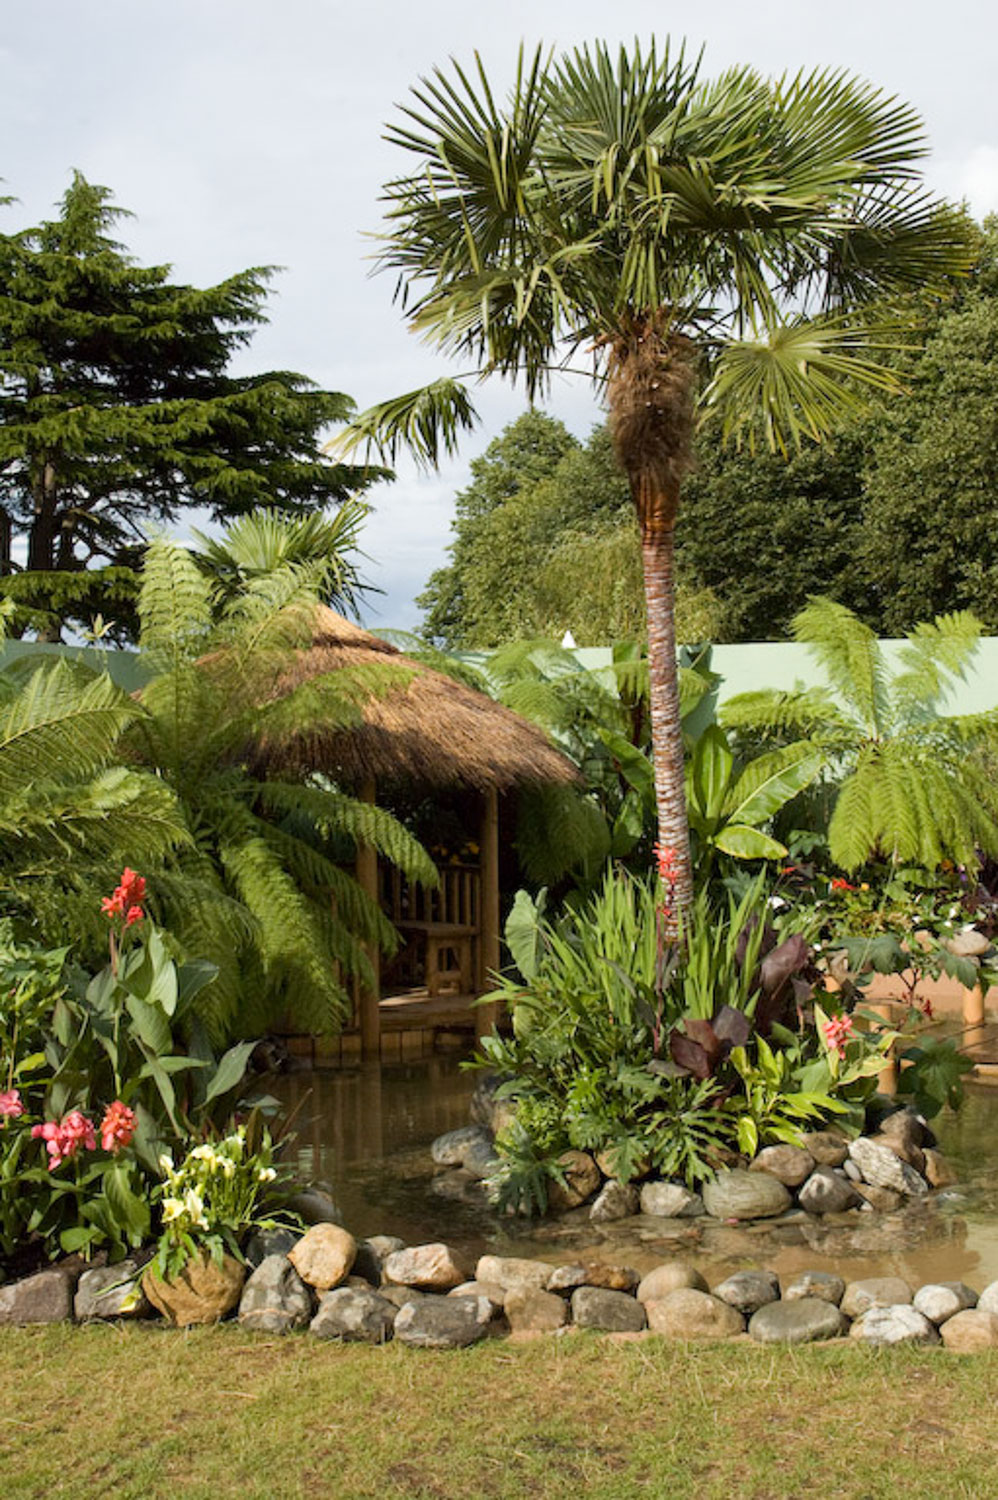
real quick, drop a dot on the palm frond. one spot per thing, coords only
(425, 423)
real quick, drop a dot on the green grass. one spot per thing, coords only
(144, 1412)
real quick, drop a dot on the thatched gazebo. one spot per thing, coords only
(427, 733)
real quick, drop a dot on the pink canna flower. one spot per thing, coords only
(838, 1031)
(65, 1138)
(117, 1127)
(11, 1107)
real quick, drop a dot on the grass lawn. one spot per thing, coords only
(145, 1412)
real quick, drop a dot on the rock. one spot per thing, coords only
(968, 944)
(673, 1276)
(481, 1160)
(749, 1290)
(904, 1125)
(616, 1200)
(450, 1149)
(399, 1296)
(894, 1325)
(372, 1254)
(607, 1163)
(882, 1168)
(324, 1256)
(488, 1111)
(790, 1165)
(827, 1148)
(432, 1268)
(817, 1285)
(45, 1297)
(670, 1200)
(443, 1322)
(611, 1312)
(275, 1299)
(582, 1178)
(539, 1312)
(800, 1320)
(913, 1155)
(594, 1273)
(942, 1300)
(689, 1314)
(970, 1331)
(356, 1317)
(987, 1301)
(938, 1172)
(850, 1169)
(508, 1271)
(875, 1291)
(112, 1292)
(884, 1200)
(825, 1192)
(264, 1242)
(203, 1292)
(737, 1194)
(496, 1294)
(314, 1206)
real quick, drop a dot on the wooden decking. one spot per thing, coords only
(413, 1024)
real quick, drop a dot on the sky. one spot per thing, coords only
(243, 133)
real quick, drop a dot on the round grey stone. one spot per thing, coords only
(616, 1200)
(689, 1314)
(738, 1194)
(672, 1276)
(825, 1192)
(804, 1320)
(670, 1200)
(820, 1285)
(264, 1242)
(274, 1298)
(749, 1290)
(356, 1317)
(875, 1291)
(894, 1325)
(112, 1292)
(443, 1322)
(941, 1300)
(610, 1312)
(451, 1148)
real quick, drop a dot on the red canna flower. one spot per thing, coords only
(839, 1031)
(117, 1127)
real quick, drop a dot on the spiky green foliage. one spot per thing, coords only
(915, 787)
(259, 891)
(66, 809)
(116, 408)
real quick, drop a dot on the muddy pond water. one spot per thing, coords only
(366, 1133)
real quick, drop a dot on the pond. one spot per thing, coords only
(365, 1134)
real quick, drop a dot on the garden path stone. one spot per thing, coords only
(356, 1317)
(45, 1297)
(942, 1300)
(594, 1273)
(749, 1290)
(894, 1325)
(882, 1168)
(821, 1285)
(112, 1292)
(538, 1312)
(825, 1192)
(443, 1322)
(616, 1200)
(203, 1292)
(804, 1320)
(264, 1242)
(450, 1149)
(970, 1331)
(610, 1312)
(689, 1314)
(275, 1299)
(509, 1271)
(582, 1178)
(790, 1165)
(826, 1147)
(670, 1200)
(874, 1291)
(432, 1268)
(738, 1194)
(324, 1256)
(673, 1276)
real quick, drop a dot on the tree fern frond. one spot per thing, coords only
(851, 656)
(559, 829)
(54, 728)
(334, 813)
(174, 606)
(934, 654)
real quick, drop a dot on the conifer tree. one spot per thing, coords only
(117, 411)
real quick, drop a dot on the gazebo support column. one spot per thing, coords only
(488, 948)
(370, 998)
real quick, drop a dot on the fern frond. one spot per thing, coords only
(54, 729)
(935, 654)
(851, 657)
(174, 607)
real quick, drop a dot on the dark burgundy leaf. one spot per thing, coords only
(689, 1055)
(732, 1026)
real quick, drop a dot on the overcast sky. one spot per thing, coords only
(247, 132)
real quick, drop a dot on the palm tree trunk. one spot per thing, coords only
(658, 558)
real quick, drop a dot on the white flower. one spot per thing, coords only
(266, 1174)
(194, 1208)
(165, 1164)
(206, 1153)
(227, 1165)
(172, 1209)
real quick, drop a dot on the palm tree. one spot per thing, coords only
(914, 786)
(723, 247)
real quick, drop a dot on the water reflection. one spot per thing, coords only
(366, 1133)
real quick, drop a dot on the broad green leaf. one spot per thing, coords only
(712, 765)
(523, 932)
(748, 843)
(230, 1071)
(769, 782)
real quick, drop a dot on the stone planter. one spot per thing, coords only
(203, 1292)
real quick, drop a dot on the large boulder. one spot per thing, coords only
(443, 1322)
(749, 1290)
(324, 1256)
(529, 1310)
(738, 1194)
(804, 1320)
(971, 1331)
(689, 1314)
(275, 1299)
(672, 1276)
(899, 1324)
(942, 1300)
(609, 1312)
(355, 1315)
(431, 1268)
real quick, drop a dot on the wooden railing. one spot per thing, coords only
(441, 930)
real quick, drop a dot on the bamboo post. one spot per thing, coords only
(486, 1016)
(887, 1080)
(973, 1017)
(370, 997)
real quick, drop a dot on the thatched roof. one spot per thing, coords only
(431, 732)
